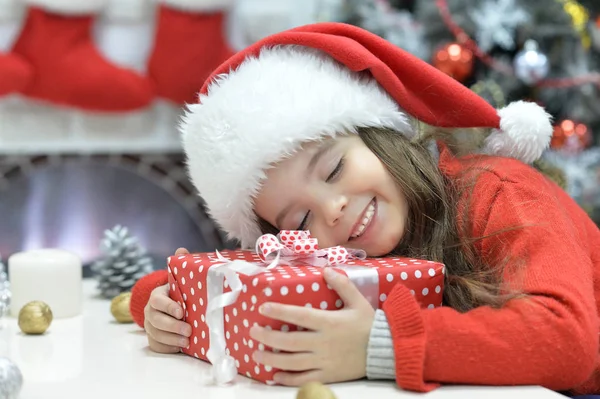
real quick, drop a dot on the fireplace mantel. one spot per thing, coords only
(29, 127)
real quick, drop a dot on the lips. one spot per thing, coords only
(363, 222)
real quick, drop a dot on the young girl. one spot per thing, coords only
(332, 129)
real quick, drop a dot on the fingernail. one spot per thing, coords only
(184, 342)
(264, 308)
(178, 313)
(257, 356)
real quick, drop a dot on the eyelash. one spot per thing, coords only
(303, 223)
(336, 172)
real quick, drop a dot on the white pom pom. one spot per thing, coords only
(525, 132)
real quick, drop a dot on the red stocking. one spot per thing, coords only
(190, 43)
(15, 74)
(56, 40)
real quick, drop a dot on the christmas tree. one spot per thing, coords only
(123, 264)
(547, 51)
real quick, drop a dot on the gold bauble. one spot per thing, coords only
(119, 307)
(314, 390)
(35, 318)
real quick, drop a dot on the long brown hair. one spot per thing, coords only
(434, 231)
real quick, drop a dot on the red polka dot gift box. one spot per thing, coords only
(221, 292)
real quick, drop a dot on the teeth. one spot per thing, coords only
(368, 215)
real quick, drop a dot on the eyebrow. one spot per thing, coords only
(325, 148)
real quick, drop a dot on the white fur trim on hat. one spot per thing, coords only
(199, 5)
(264, 110)
(69, 7)
(525, 132)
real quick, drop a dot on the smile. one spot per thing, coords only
(365, 220)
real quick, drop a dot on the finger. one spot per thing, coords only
(309, 318)
(345, 288)
(166, 338)
(286, 361)
(162, 348)
(168, 323)
(295, 341)
(160, 301)
(297, 379)
(182, 251)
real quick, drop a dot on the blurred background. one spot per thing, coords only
(91, 92)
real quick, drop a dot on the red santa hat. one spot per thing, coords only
(320, 81)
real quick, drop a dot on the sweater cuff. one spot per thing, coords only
(380, 352)
(140, 293)
(408, 331)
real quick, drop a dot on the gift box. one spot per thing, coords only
(220, 292)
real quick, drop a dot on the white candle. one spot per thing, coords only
(53, 276)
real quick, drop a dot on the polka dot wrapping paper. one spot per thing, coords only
(301, 284)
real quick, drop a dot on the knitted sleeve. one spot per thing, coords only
(380, 350)
(140, 294)
(548, 338)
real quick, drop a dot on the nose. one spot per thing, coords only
(334, 208)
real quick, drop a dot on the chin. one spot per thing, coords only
(380, 251)
(384, 248)
(377, 254)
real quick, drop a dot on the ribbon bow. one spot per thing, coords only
(298, 245)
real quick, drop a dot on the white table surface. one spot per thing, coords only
(93, 357)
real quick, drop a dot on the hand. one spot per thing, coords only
(164, 328)
(335, 347)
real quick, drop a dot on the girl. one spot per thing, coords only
(332, 129)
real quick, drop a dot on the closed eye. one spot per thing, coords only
(303, 223)
(337, 171)
(334, 175)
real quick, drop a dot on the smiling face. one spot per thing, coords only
(340, 191)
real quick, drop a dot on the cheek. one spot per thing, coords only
(388, 242)
(370, 170)
(395, 225)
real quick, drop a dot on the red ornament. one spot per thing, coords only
(454, 60)
(571, 136)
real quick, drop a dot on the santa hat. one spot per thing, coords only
(323, 80)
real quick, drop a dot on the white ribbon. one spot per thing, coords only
(224, 369)
(366, 280)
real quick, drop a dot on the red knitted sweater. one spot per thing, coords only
(549, 338)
